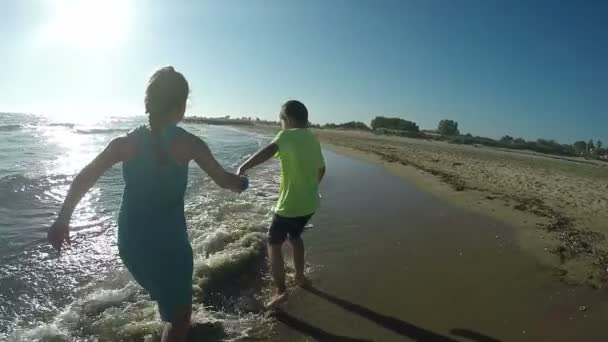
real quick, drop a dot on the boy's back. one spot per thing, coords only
(302, 168)
(301, 158)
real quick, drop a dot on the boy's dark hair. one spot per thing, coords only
(296, 111)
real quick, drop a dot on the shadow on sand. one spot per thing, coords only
(400, 327)
(310, 330)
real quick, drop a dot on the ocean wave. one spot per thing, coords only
(127, 314)
(16, 186)
(213, 273)
(226, 306)
(73, 127)
(62, 124)
(80, 315)
(230, 280)
(102, 130)
(8, 128)
(19, 182)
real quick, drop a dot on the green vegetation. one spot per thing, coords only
(381, 122)
(448, 127)
(354, 125)
(447, 130)
(580, 147)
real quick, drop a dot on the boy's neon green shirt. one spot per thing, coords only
(301, 158)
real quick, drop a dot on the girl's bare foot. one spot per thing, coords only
(277, 300)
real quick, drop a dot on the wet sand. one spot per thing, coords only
(391, 263)
(558, 206)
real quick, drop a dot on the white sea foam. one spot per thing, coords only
(227, 236)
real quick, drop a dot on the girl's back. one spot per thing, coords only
(152, 238)
(155, 183)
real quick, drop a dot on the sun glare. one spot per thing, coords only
(88, 24)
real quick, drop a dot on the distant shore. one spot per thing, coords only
(219, 121)
(559, 206)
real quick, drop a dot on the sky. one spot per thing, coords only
(524, 68)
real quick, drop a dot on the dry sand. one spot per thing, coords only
(559, 205)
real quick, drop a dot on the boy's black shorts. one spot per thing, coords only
(283, 226)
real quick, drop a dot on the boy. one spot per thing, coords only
(302, 168)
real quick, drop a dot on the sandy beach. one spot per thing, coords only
(389, 262)
(558, 206)
(423, 240)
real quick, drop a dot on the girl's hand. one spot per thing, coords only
(58, 234)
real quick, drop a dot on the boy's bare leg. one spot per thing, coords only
(298, 260)
(277, 270)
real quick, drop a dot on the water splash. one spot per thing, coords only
(87, 294)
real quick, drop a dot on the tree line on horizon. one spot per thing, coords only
(448, 130)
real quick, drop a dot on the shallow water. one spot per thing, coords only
(395, 264)
(86, 292)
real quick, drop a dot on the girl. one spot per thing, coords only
(152, 238)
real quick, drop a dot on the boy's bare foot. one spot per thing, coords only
(277, 300)
(302, 281)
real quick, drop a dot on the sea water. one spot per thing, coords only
(86, 293)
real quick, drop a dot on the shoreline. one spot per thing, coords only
(552, 220)
(388, 262)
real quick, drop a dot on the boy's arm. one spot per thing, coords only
(202, 156)
(260, 157)
(83, 182)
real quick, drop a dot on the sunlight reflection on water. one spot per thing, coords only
(45, 295)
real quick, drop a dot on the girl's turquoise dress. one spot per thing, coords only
(152, 237)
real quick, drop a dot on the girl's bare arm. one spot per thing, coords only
(115, 152)
(204, 158)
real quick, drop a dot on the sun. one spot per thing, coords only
(88, 24)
